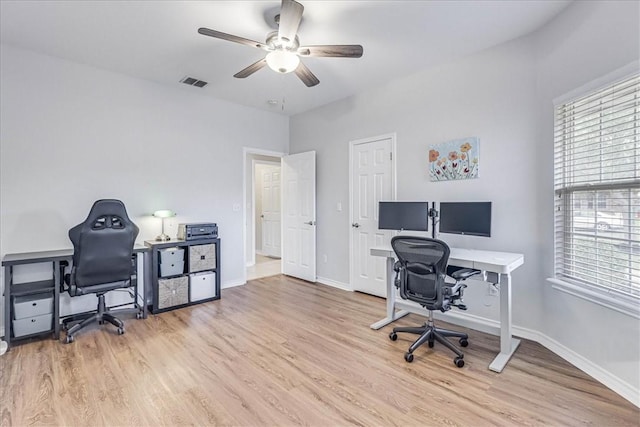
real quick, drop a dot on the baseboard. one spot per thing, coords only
(334, 283)
(492, 327)
(232, 284)
(616, 384)
(470, 321)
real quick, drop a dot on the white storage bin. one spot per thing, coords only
(202, 286)
(32, 305)
(171, 255)
(32, 325)
(171, 269)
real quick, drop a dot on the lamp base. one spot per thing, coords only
(162, 238)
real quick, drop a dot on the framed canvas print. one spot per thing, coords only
(457, 159)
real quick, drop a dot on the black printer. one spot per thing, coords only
(207, 230)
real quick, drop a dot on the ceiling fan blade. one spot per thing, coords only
(251, 69)
(290, 17)
(305, 74)
(231, 38)
(337, 51)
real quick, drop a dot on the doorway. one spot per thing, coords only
(266, 219)
(262, 213)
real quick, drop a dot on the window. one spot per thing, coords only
(597, 190)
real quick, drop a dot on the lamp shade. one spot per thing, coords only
(282, 61)
(164, 213)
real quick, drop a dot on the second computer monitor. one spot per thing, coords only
(468, 218)
(412, 216)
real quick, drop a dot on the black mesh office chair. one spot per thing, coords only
(420, 274)
(102, 262)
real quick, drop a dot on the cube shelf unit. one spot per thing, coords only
(183, 273)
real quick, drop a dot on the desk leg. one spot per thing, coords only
(508, 344)
(8, 279)
(392, 315)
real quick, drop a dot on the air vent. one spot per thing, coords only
(193, 82)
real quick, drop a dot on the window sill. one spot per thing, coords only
(620, 303)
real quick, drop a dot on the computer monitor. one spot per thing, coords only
(403, 216)
(468, 218)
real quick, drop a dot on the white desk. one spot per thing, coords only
(499, 263)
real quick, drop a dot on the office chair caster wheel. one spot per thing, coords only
(69, 339)
(120, 331)
(393, 336)
(430, 344)
(459, 362)
(463, 342)
(138, 315)
(408, 357)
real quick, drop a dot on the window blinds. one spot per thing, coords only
(597, 185)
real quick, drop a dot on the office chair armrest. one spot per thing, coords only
(464, 273)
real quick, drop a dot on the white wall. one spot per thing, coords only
(71, 134)
(490, 96)
(588, 41)
(503, 96)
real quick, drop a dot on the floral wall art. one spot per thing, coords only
(457, 159)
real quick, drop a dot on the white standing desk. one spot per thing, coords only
(499, 263)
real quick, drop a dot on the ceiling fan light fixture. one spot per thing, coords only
(282, 61)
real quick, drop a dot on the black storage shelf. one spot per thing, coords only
(153, 299)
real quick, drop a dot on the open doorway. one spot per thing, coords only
(263, 214)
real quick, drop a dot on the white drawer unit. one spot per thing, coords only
(202, 286)
(32, 305)
(32, 325)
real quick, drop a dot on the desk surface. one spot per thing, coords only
(498, 262)
(49, 256)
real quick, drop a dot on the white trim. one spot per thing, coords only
(616, 384)
(394, 159)
(334, 283)
(628, 306)
(233, 284)
(471, 321)
(492, 327)
(599, 83)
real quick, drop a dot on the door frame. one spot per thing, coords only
(246, 153)
(255, 162)
(394, 192)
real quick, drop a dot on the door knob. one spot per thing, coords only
(310, 222)
(261, 216)
(355, 225)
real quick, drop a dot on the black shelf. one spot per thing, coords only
(31, 288)
(153, 298)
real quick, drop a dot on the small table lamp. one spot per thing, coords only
(165, 213)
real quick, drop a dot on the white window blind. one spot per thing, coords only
(597, 186)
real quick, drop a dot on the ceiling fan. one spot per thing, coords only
(283, 46)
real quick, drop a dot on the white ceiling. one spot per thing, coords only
(158, 40)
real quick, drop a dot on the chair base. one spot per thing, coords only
(101, 315)
(429, 334)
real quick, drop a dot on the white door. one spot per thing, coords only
(371, 182)
(299, 215)
(270, 215)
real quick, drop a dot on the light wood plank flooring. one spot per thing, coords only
(281, 352)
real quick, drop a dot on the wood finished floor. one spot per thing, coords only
(281, 352)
